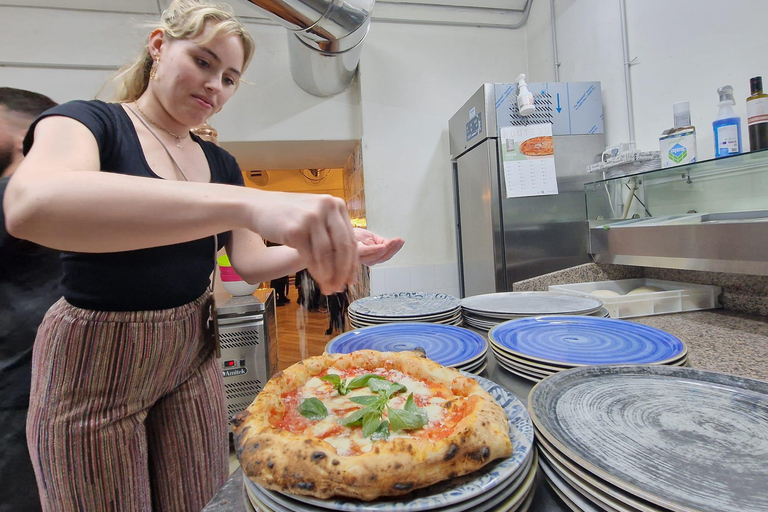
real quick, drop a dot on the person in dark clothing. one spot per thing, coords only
(337, 311)
(309, 292)
(280, 285)
(30, 278)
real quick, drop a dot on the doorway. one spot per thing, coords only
(304, 321)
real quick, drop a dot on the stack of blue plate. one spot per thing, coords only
(535, 348)
(447, 345)
(504, 485)
(387, 308)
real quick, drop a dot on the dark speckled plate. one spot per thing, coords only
(683, 439)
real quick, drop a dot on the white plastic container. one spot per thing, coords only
(675, 297)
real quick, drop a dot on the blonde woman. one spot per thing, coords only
(127, 406)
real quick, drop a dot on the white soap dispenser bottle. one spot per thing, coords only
(524, 97)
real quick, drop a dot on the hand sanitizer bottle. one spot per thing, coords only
(727, 125)
(524, 97)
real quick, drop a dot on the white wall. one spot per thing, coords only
(270, 106)
(413, 79)
(685, 50)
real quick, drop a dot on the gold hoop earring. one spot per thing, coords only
(153, 69)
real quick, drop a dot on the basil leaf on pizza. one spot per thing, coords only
(366, 425)
(363, 380)
(313, 409)
(365, 401)
(410, 417)
(355, 419)
(339, 385)
(382, 432)
(371, 423)
(386, 387)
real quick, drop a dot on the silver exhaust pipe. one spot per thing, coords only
(324, 39)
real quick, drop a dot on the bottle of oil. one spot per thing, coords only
(757, 115)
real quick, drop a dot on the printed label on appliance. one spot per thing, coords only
(235, 372)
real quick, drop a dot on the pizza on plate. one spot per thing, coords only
(366, 425)
(537, 146)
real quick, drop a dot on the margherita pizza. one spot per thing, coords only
(537, 146)
(368, 424)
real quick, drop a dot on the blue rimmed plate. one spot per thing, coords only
(586, 340)
(448, 345)
(405, 304)
(460, 489)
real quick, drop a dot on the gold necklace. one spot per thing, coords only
(145, 116)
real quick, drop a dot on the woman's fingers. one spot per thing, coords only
(333, 249)
(318, 226)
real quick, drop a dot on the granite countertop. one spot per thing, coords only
(731, 340)
(719, 340)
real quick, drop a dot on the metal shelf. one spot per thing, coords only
(710, 216)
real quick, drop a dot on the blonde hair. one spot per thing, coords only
(184, 19)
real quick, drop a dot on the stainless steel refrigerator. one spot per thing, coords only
(501, 239)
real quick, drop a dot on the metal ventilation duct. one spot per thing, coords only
(324, 40)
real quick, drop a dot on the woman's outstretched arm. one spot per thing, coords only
(58, 198)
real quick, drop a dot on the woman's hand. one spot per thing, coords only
(318, 227)
(373, 249)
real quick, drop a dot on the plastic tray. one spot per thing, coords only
(675, 297)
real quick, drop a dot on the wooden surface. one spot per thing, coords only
(290, 318)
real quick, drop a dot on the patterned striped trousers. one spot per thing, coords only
(127, 411)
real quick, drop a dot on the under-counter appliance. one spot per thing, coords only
(248, 338)
(501, 239)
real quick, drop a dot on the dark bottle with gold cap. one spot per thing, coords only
(757, 115)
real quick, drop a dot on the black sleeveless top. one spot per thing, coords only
(145, 279)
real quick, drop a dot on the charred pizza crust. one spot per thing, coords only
(299, 464)
(537, 146)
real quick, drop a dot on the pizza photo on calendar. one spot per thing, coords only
(537, 146)
(366, 425)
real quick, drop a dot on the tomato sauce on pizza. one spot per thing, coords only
(368, 424)
(443, 410)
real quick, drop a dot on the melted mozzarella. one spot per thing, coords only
(343, 445)
(324, 426)
(345, 441)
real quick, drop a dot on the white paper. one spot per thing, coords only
(527, 175)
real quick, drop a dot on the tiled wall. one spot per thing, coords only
(354, 193)
(440, 278)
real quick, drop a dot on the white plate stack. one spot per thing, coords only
(438, 308)
(504, 485)
(486, 311)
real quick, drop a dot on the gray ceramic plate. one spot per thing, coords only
(609, 497)
(502, 305)
(684, 439)
(567, 493)
(404, 304)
